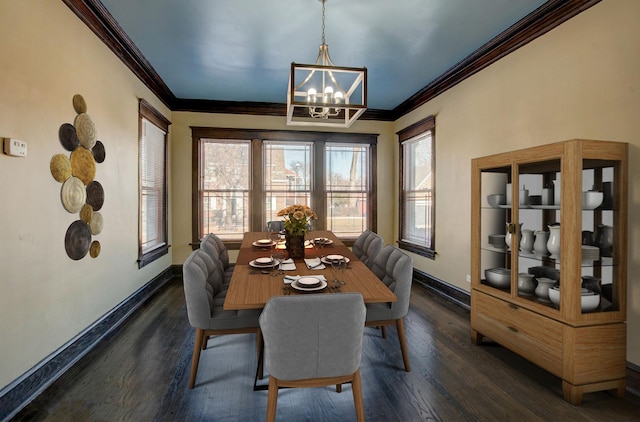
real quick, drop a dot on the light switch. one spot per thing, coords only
(15, 147)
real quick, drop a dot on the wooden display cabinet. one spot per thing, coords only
(585, 348)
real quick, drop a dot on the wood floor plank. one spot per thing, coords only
(141, 371)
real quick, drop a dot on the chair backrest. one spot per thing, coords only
(395, 269)
(367, 246)
(202, 282)
(213, 245)
(273, 226)
(313, 335)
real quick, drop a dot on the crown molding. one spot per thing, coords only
(537, 23)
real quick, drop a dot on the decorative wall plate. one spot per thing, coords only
(96, 223)
(60, 167)
(77, 240)
(79, 105)
(95, 195)
(98, 152)
(73, 194)
(83, 165)
(68, 137)
(86, 130)
(94, 250)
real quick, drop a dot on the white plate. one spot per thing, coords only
(308, 282)
(262, 244)
(254, 264)
(327, 260)
(296, 286)
(264, 261)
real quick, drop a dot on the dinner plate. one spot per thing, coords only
(257, 265)
(322, 241)
(263, 243)
(308, 282)
(296, 286)
(328, 260)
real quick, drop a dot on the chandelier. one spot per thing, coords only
(323, 94)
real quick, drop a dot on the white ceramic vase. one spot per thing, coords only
(526, 240)
(553, 244)
(540, 244)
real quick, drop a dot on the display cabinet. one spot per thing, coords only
(548, 259)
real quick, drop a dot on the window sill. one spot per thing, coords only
(151, 256)
(418, 250)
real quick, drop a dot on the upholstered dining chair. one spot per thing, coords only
(313, 340)
(213, 245)
(205, 298)
(275, 226)
(367, 246)
(395, 269)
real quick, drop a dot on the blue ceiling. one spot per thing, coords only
(241, 50)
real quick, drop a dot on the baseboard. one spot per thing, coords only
(15, 396)
(462, 298)
(443, 289)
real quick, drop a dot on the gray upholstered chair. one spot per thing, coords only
(367, 246)
(395, 269)
(212, 245)
(275, 226)
(313, 340)
(205, 297)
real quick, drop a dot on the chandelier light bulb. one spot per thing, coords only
(338, 96)
(311, 95)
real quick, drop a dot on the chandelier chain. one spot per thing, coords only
(323, 2)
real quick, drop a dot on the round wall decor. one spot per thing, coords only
(95, 195)
(68, 137)
(86, 130)
(60, 167)
(77, 240)
(83, 166)
(73, 194)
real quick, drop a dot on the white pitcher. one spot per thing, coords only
(526, 240)
(553, 244)
(540, 244)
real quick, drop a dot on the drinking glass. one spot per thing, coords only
(338, 266)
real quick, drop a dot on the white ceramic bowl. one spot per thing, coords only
(497, 199)
(498, 277)
(591, 199)
(589, 301)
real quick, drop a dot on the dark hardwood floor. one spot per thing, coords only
(141, 371)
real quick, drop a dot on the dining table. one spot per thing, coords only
(251, 287)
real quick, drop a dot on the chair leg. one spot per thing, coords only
(403, 344)
(357, 396)
(272, 399)
(195, 359)
(384, 331)
(259, 347)
(338, 388)
(205, 340)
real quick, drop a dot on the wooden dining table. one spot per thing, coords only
(251, 288)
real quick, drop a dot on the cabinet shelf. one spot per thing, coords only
(588, 350)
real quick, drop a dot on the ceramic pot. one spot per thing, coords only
(295, 245)
(542, 289)
(526, 240)
(553, 244)
(604, 240)
(526, 284)
(540, 244)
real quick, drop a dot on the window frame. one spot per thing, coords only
(147, 112)
(257, 194)
(422, 127)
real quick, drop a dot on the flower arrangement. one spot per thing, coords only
(297, 218)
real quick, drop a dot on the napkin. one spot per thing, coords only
(288, 265)
(314, 264)
(289, 278)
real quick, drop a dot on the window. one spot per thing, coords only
(347, 188)
(224, 187)
(333, 173)
(152, 232)
(417, 199)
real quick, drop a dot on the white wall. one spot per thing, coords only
(48, 55)
(581, 80)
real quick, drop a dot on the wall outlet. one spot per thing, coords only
(15, 147)
(468, 278)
